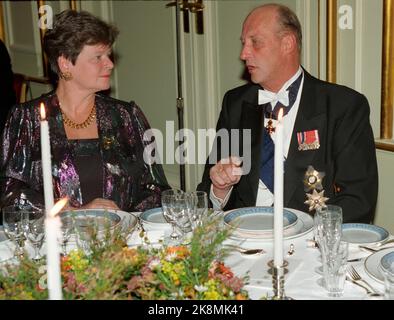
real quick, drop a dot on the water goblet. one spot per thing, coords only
(170, 211)
(198, 207)
(14, 226)
(67, 229)
(35, 229)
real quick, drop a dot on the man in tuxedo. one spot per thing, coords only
(326, 129)
(7, 93)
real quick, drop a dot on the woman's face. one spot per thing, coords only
(93, 67)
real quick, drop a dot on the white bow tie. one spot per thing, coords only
(266, 96)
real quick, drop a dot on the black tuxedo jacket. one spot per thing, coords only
(346, 153)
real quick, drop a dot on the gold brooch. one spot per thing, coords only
(108, 142)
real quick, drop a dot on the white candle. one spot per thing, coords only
(46, 161)
(53, 233)
(52, 223)
(278, 193)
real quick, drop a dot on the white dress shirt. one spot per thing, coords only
(264, 195)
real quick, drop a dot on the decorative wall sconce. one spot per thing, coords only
(193, 6)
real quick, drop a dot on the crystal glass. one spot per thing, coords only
(334, 269)
(174, 203)
(35, 228)
(388, 275)
(14, 226)
(67, 229)
(328, 227)
(198, 207)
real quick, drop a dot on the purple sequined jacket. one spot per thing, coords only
(127, 180)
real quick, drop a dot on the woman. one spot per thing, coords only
(96, 141)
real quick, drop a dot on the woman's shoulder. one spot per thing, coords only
(120, 106)
(115, 103)
(32, 105)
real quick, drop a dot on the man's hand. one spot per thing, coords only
(224, 175)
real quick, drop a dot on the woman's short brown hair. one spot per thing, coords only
(71, 31)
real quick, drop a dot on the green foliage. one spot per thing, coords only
(108, 269)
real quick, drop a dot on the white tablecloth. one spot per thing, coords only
(301, 282)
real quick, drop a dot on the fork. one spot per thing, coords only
(355, 276)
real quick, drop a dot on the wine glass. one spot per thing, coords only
(198, 207)
(34, 230)
(170, 204)
(67, 229)
(13, 222)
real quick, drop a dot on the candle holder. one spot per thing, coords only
(278, 280)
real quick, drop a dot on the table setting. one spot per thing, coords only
(183, 250)
(251, 248)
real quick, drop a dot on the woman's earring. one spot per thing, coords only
(66, 75)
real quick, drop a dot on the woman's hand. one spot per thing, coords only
(100, 203)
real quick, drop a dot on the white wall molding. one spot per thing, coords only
(304, 14)
(201, 82)
(358, 55)
(37, 38)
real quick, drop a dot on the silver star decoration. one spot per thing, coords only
(313, 179)
(316, 200)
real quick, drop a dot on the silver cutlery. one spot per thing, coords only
(247, 251)
(356, 278)
(368, 248)
(374, 249)
(385, 242)
(348, 278)
(355, 260)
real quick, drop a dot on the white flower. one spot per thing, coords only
(171, 256)
(200, 288)
(154, 263)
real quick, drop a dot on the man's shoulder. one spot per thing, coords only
(243, 89)
(246, 92)
(333, 89)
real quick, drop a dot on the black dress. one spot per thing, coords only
(88, 164)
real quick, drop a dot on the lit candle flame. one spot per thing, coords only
(57, 207)
(280, 114)
(42, 111)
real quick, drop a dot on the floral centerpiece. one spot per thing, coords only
(112, 270)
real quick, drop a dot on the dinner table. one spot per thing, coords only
(303, 279)
(303, 275)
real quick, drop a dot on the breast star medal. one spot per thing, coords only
(316, 200)
(313, 181)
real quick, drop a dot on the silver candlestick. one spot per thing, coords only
(278, 280)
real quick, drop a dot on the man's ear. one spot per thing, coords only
(289, 43)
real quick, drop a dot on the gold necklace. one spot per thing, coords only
(91, 117)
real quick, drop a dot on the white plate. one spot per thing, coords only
(128, 220)
(387, 262)
(153, 216)
(362, 233)
(303, 225)
(256, 220)
(372, 263)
